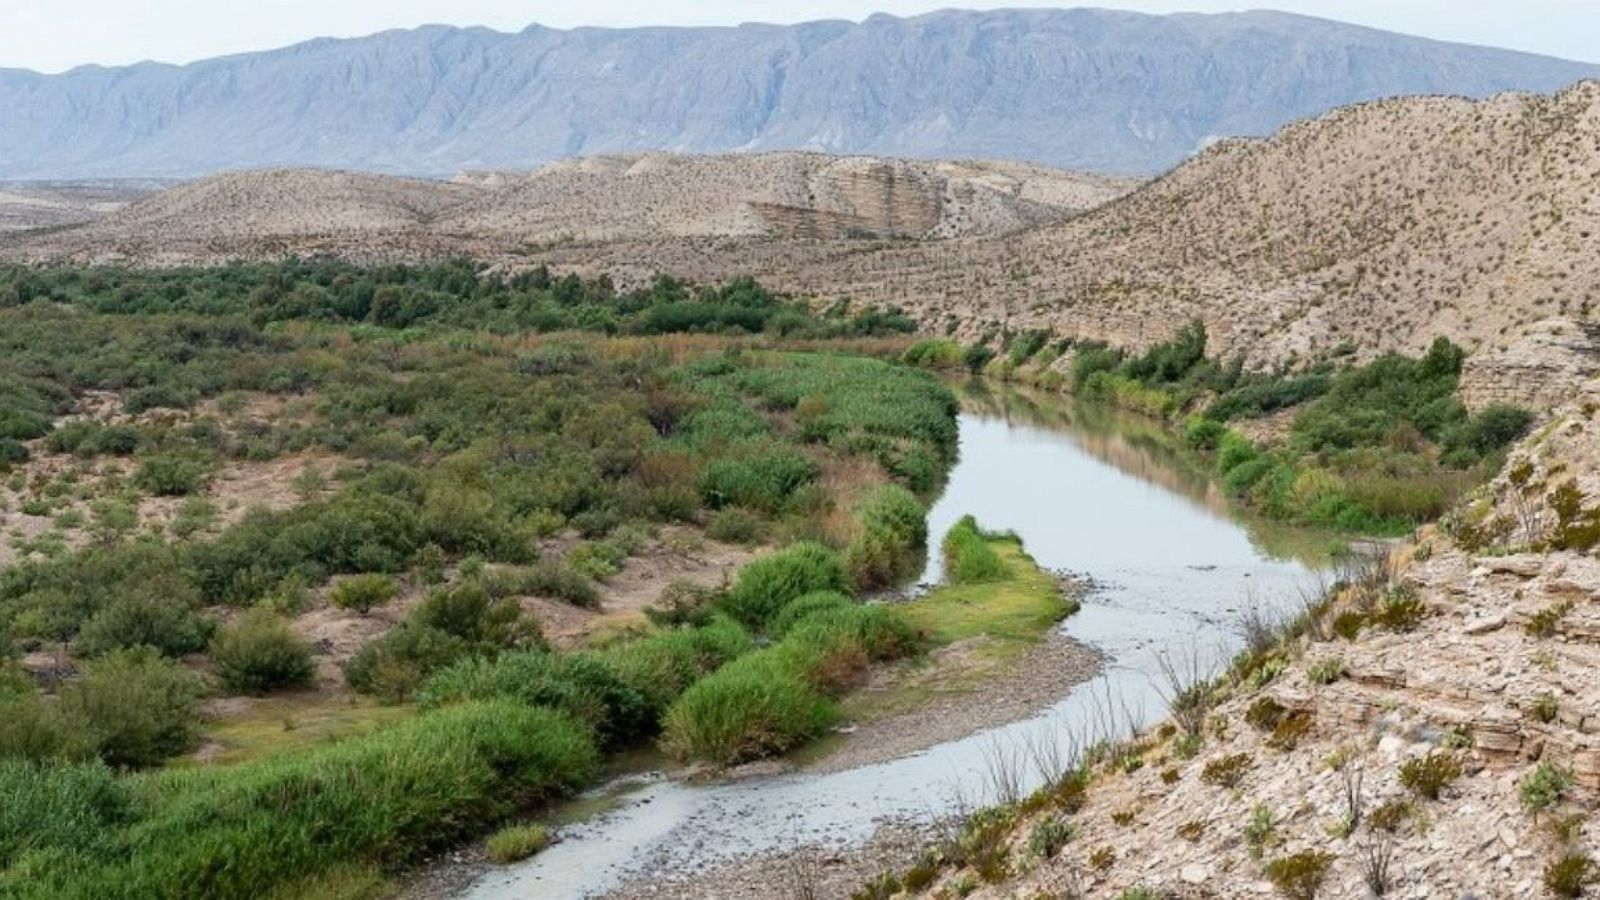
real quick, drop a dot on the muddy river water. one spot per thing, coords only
(1090, 492)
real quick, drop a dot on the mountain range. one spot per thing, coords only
(1096, 90)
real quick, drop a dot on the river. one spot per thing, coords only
(1089, 492)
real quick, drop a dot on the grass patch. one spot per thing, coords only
(994, 624)
(387, 799)
(294, 723)
(515, 843)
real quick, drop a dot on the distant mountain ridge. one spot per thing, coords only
(1084, 89)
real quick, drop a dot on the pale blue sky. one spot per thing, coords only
(52, 35)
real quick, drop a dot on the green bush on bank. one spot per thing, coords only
(662, 665)
(258, 652)
(968, 558)
(580, 686)
(388, 799)
(448, 625)
(775, 699)
(131, 709)
(768, 584)
(891, 540)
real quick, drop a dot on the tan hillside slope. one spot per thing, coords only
(1440, 714)
(782, 195)
(242, 213)
(659, 200)
(1385, 224)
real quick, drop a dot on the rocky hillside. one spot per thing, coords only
(1087, 89)
(1432, 731)
(1383, 224)
(786, 198)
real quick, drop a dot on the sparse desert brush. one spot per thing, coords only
(1226, 771)
(1544, 787)
(1572, 875)
(1265, 713)
(1545, 622)
(1428, 776)
(1049, 835)
(363, 592)
(1290, 731)
(1301, 876)
(1401, 610)
(1326, 671)
(1102, 858)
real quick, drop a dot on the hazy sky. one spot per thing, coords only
(52, 35)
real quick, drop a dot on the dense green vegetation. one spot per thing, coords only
(1376, 447)
(463, 462)
(391, 798)
(458, 294)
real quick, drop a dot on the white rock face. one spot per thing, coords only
(1097, 90)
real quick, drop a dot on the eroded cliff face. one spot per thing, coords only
(1543, 369)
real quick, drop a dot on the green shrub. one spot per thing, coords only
(1049, 836)
(1301, 876)
(765, 586)
(13, 453)
(891, 540)
(172, 476)
(968, 558)
(771, 701)
(1226, 771)
(581, 686)
(597, 559)
(40, 728)
(976, 357)
(363, 592)
(449, 624)
(762, 480)
(799, 610)
(751, 708)
(258, 652)
(138, 708)
(661, 666)
(1571, 875)
(830, 650)
(736, 525)
(551, 579)
(1427, 776)
(21, 425)
(935, 353)
(167, 623)
(1544, 787)
(515, 843)
(394, 666)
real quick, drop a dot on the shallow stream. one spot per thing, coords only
(1090, 492)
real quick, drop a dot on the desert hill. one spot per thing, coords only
(787, 197)
(1383, 224)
